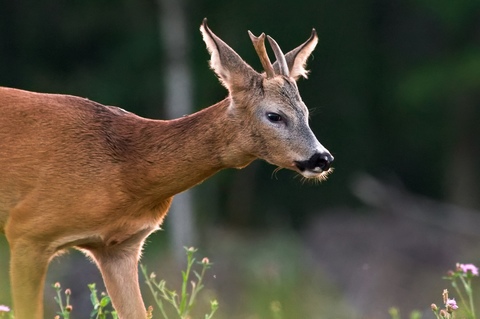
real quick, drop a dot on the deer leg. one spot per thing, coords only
(120, 275)
(28, 268)
(119, 267)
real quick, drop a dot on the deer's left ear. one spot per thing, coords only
(234, 73)
(297, 58)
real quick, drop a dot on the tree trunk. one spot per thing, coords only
(178, 102)
(462, 173)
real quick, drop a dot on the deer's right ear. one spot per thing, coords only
(234, 73)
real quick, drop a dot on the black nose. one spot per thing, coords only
(317, 161)
(322, 161)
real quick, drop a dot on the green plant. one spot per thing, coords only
(461, 279)
(100, 306)
(395, 314)
(65, 309)
(276, 309)
(450, 307)
(183, 302)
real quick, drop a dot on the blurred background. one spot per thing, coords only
(394, 94)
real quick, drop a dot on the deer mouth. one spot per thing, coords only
(316, 174)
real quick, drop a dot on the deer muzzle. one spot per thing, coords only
(318, 163)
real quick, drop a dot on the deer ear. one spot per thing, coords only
(234, 73)
(297, 58)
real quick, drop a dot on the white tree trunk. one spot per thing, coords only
(178, 102)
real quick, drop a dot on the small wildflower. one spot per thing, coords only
(56, 317)
(205, 261)
(69, 308)
(4, 308)
(468, 268)
(153, 275)
(451, 305)
(68, 292)
(56, 285)
(434, 307)
(443, 314)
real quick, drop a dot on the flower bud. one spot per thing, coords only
(149, 312)
(445, 296)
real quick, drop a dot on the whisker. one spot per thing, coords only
(313, 110)
(275, 171)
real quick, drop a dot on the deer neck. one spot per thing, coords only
(184, 152)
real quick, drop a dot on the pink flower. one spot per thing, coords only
(4, 308)
(469, 267)
(451, 304)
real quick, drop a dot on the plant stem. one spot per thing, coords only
(154, 293)
(184, 306)
(468, 289)
(462, 298)
(196, 289)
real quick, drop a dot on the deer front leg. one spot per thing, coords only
(28, 267)
(120, 274)
(119, 267)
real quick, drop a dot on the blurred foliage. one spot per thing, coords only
(389, 80)
(452, 76)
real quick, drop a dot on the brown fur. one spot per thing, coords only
(79, 174)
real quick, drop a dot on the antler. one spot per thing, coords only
(259, 45)
(282, 62)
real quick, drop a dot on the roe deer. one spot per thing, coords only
(75, 173)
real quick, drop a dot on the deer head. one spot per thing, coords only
(268, 105)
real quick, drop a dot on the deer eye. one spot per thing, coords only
(274, 117)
